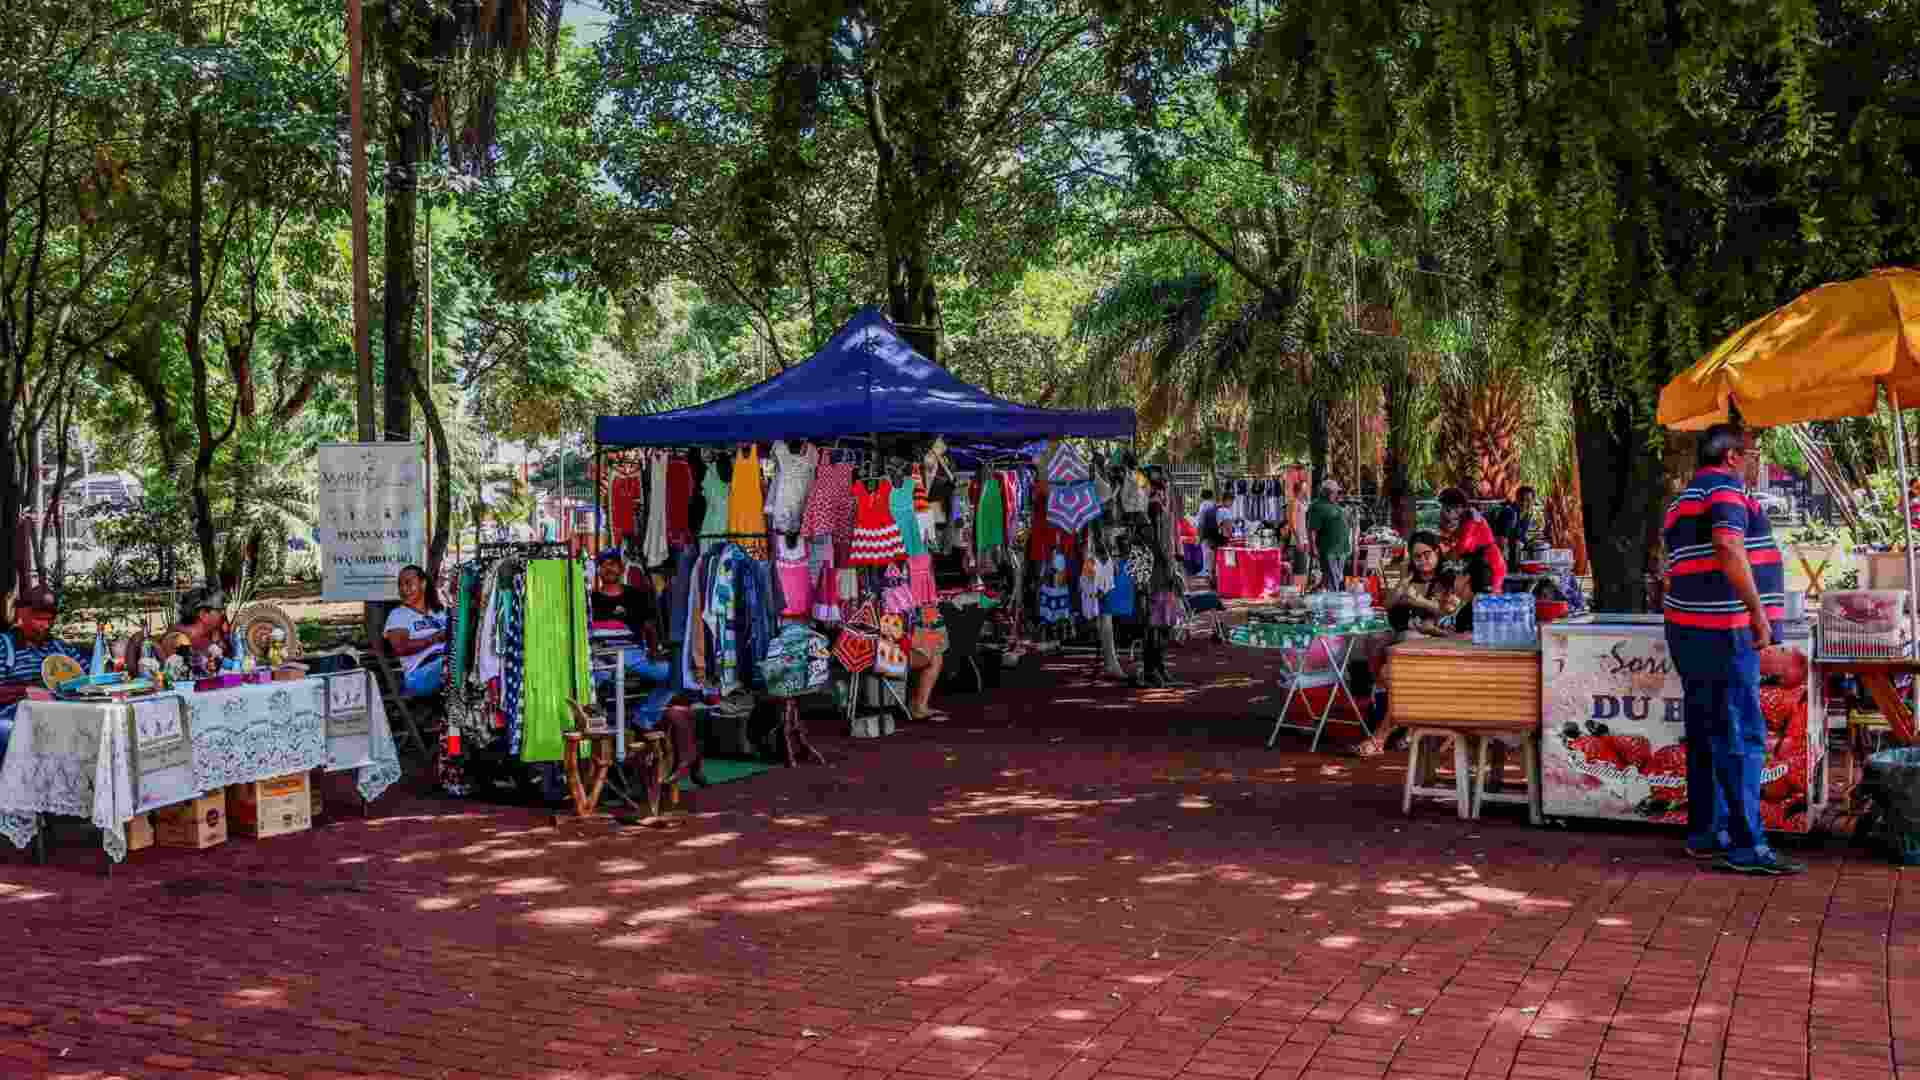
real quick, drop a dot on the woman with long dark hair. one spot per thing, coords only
(416, 633)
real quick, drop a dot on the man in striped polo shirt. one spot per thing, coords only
(1726, 585)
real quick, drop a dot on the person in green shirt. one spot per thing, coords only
(1332, 537)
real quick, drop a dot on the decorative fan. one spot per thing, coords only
(57, 669)
(255, 625)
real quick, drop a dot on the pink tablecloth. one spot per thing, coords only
(1250, 573)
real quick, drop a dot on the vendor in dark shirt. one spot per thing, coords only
(615, 604)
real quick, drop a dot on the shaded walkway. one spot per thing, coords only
(1067, 882)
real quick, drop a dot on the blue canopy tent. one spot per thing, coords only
(865, 381)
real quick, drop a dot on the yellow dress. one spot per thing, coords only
(746, 501)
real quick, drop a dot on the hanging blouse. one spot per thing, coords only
(793, 478)
(876, 535)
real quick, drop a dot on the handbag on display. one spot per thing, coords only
(889, 659)
(898, 595)
(796, 662)
(865, 616)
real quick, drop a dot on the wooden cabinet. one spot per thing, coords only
(1441, 682)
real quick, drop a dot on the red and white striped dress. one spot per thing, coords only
(876, 534)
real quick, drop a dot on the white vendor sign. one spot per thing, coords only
(372, 517)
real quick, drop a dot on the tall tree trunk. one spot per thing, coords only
(1317, 440)
(1396, 485)
(408, 133)
(1623, 492)
(201, 497)
(442, 466)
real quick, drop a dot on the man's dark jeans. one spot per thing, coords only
(1726, 740)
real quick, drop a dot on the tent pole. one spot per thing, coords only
(1906, 516)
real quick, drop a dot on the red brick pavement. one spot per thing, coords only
(1066, 882)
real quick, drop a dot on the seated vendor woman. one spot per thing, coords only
(416, 634)
(1433, 603)
(203, 622)
(31, 642)
(623, 608)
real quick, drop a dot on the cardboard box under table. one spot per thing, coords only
(272, 807)
(1475, 694)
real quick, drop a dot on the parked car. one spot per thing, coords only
(1777, 507)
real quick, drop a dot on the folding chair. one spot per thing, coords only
(416, 714)
(964, 627)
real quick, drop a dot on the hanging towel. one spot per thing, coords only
(654, 546)
(556, 656)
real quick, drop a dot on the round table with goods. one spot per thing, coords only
(1315, 643)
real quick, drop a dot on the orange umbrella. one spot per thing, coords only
(1823, 356)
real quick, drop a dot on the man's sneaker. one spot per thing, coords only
(1771, 866)
(1705, 854)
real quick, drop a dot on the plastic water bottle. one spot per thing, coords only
(1482, 615)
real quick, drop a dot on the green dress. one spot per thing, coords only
(990, 521)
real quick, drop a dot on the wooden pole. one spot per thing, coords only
(428, 199)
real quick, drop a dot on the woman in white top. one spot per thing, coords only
(416, 633)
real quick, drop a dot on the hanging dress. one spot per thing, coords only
(792, 480)
(796, 581)
(679, 494)
(876, 535)
(990, 520)
(715, 522)
(829, 509)
(746, 503)
(654, 542)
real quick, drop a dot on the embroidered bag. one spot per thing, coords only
(898, 595)
(865, 616)
(796, 662)
(855, 650)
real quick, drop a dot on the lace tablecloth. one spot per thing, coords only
(108, 762)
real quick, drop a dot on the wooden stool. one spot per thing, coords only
(586, 790)
(1483, 771)
(793, 735)
(1422, 769)
(651, 753)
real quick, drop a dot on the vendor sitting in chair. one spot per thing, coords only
(29, 644)
(1436, 601)
(623, 609)
(416, 634)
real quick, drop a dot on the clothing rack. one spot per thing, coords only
(528, 549)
